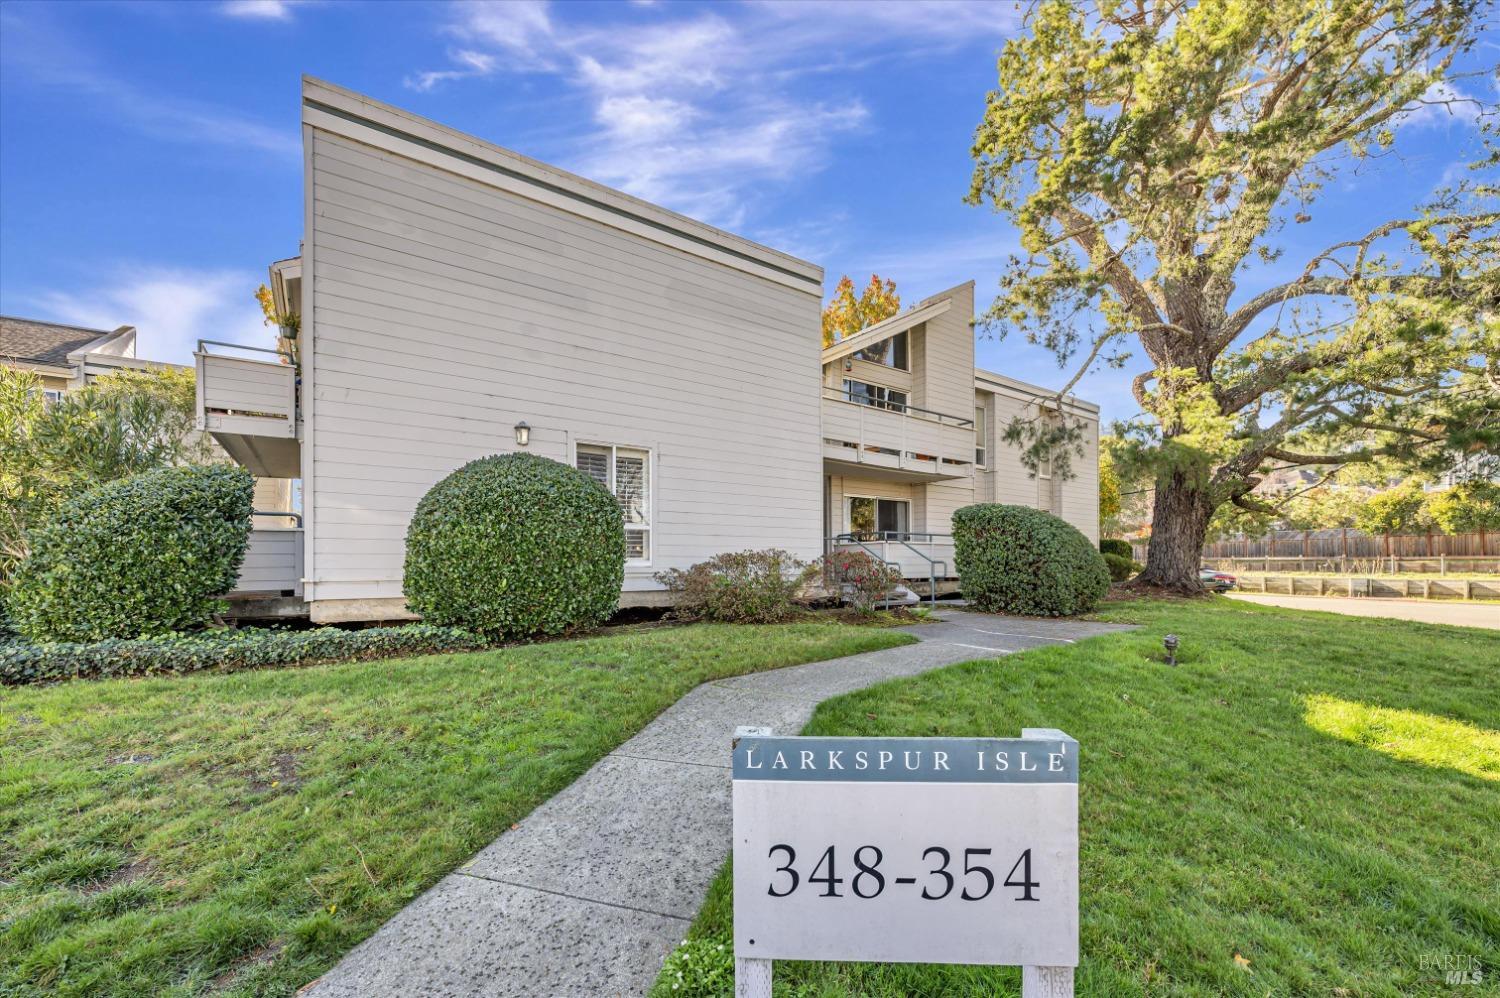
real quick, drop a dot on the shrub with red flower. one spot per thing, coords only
(859, 577)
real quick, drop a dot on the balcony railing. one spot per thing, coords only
(862, 430)
(916, 412)
(244, 395)
(249, 405)
(273, 562)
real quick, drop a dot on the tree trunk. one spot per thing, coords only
(1179, 523)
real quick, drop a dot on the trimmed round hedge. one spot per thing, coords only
(514, 546)
(1120, 569)
(1015, 559)
(1117, 546)
(139, 556)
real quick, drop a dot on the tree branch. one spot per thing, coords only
(1296, 458)
(1085, 232)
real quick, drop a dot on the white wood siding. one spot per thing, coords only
(943, 362)
(273, 562)
(444, 310)
(1007, 480)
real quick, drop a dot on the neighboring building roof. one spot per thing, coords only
(36, 342)
(1288, 478)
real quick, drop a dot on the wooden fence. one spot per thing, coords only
(1347, 542)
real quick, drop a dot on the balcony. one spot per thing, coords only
(894, 441)
(272, 565)
(249, 405)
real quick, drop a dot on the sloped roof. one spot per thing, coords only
(886, 328)
(38, 342)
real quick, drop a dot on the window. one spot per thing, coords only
(626, 472)
(878, 396)
(874, 519)
(981, 437)
(50, 397)
(891, 353)
(1049, 430)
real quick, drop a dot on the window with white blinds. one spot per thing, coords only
(626, 472)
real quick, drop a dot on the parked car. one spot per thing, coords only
(1219, 582)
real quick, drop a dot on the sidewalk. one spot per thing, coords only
(588, 893)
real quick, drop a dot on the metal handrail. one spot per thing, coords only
(904, 538)
(243, 346)
(885, 599)
(899, 407)
(278, 512)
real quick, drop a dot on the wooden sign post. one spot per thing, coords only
(907, 850)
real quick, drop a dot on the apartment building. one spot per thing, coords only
(457, 299)
(912, 431)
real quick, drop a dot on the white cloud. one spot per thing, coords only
(639, 118)
(470, 63)
(521, 29)
(264, 10)
(1443, 104)
(699, 110)
(43, 57)
(171, 309)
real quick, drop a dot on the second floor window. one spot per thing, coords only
(891, 353)
(879, 396)
(626, 472)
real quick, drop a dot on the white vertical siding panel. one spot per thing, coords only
(946, 383)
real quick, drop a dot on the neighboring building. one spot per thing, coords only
(450, 291)
(67, 358)
(1476, 466)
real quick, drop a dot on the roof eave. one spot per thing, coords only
(989, 381)
(886, 328)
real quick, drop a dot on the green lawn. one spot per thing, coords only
(239, 832)
(1317, 795)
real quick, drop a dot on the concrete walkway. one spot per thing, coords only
(589, 893)
(1423, 611)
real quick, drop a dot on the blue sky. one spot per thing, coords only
(150, 161)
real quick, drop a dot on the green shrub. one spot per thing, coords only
(137, 556)
(515, 546)
(862, 579)
(229, 649)
(1015, 559)
(1120, 569)
(746, 587)
(1116, 546)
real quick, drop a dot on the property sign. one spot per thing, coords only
(916, 850)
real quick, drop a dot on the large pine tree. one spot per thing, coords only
(1151, 154)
